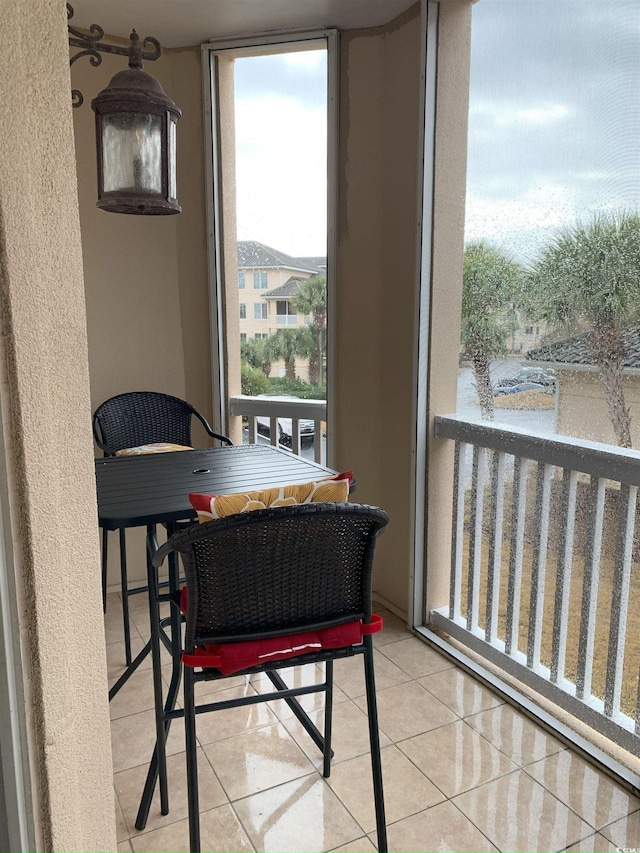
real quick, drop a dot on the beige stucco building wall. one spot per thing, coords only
(250, 296)
(376, 279)
(581, 409)
(44, 396)
(379, 239)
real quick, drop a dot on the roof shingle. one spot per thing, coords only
(577, 350)
(286, 291)
(254, 255)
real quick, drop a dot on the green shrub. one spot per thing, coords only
(253, 381)
(297, 388)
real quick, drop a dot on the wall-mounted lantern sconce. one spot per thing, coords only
(135, 129)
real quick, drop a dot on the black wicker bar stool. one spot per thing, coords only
(270, 589)
(141, 422)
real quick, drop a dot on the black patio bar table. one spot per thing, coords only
(151, 489)
(134, 491)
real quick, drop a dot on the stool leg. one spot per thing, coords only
(124, 587)
(374, 740)
(192, 761)
(328, 718)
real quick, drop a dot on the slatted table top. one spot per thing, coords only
(153, 488)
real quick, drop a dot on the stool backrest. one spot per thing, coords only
(278, 571)
(144, 417)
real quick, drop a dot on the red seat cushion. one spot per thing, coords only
(233, 657)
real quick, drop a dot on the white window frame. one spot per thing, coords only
(16, 796)
(260, 280)
(422, 310)
(263, 311)
(247, 46)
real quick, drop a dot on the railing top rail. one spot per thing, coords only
(243, 404)
(589, 457)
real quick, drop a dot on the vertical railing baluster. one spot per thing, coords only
(590, 587)
(295, 436)
(495, 545)
(253, 429)
(620, 597)
(539, 564)
(457, 531)
(318, 443)
(475, 536)
(516, 548)
(566, 530)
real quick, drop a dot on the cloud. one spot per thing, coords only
(554, 116)
(305, 59)
(520, 224)
(509, 114)
(281, 173)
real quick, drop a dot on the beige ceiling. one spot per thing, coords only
(176, 23)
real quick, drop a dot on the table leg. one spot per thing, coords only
(172, 693)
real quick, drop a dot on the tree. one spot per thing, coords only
(311, 298)
(284, 344)
(490, 288)
(254, 352)
(590, 273)
(307, 344)
(253, 381)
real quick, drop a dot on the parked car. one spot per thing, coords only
(515, 389)
(532, 374)
(285, 426)
(529, 374)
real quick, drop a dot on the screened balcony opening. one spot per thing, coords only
(545, 557)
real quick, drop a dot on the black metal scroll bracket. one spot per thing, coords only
(90, 45)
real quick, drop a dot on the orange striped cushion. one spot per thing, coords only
(332, 489)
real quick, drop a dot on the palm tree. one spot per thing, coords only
(307, 344)
(311, 298)
(254, 352)
(284, 344)
(490, 287)
(592, 273)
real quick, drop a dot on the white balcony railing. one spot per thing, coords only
(545, 560)
(287, 320)
(286, 422)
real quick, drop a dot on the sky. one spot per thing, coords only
(554, 117)
(281, 151)
(554, 127)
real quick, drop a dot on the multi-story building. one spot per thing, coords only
(268, 280)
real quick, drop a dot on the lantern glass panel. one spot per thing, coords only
(172, 157)
(132, 152)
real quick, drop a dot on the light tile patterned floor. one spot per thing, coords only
(462, 769)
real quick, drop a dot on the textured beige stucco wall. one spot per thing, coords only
(376, 279)
(582, 410)
(191, 230)
(46, 415)
(146, 277)
(130, 268)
